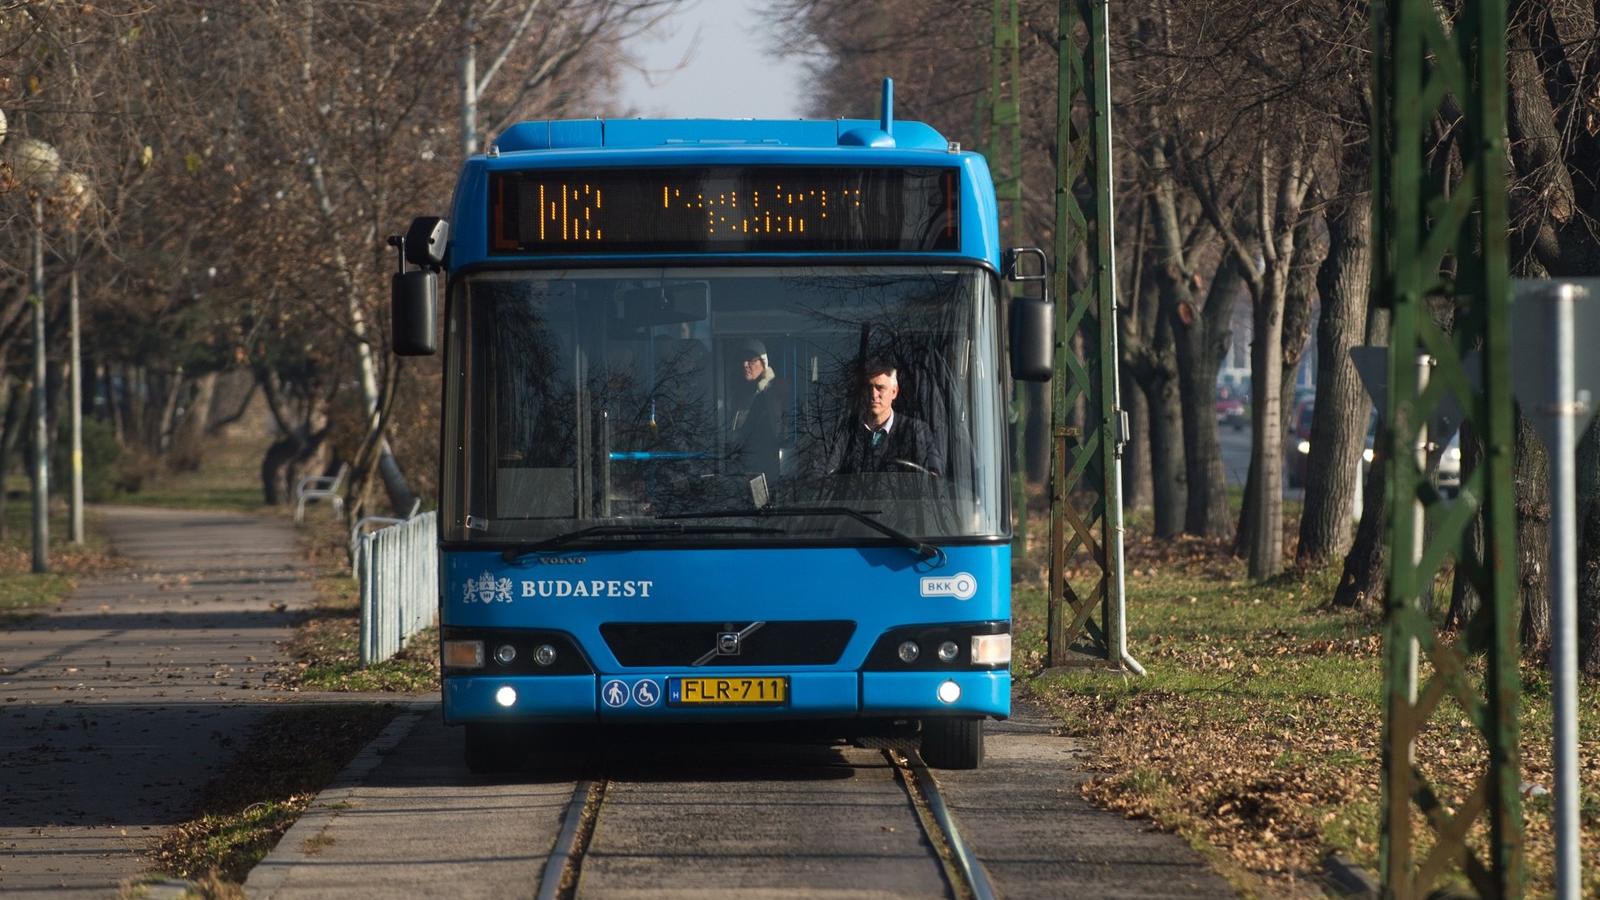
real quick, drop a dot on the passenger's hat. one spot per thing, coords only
(752, 348)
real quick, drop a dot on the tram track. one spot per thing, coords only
(559, 879)
(963, 873)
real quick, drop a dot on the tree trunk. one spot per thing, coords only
(19, 393)
(1589, 551)
(1136, 491)
(1532, 478)
(1202, 343)
(1266, 433)
(1339, 422)
(1166, 453)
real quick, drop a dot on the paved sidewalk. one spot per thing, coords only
(116, 708)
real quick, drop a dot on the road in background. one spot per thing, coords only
(1236, 458)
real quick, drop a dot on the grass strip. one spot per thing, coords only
(1257, 733)
(288, 757)
(24, 593)
(326, 649)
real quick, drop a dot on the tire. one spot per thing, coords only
(952, 743)
(492, 749)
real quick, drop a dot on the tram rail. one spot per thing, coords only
(964, 874)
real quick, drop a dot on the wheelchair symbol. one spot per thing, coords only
(645, 693)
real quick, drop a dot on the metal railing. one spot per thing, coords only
(398, 568)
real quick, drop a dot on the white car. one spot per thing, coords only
(1448, 477)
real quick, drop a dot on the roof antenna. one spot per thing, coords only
(886, 117)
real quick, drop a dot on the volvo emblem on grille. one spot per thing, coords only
(729, 643)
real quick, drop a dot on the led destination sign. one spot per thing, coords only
(723, 209)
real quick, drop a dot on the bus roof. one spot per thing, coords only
(574, 134)
(659, 143)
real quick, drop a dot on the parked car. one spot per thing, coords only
(1299, 443)
(1230, 409)
(1448, 476)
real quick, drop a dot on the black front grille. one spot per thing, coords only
(687, 643)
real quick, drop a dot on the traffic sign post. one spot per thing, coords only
(1557, 390)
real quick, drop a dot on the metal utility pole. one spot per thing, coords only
(1005, 157)
(75, 366)
(1557, 388)
(41, 434)
(1086, 445)
(1419, 63)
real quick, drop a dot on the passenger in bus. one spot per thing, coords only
(880, 439)
(757, 426)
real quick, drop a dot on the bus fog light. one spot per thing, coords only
(948, 651)
(507, 695)
(949, 692)
(991, 649)
(909, 651)
(544, 655)
(504, 654)
(463, 654)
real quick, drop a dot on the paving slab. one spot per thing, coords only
(117, 707)
(410, 821)
(1038, 837)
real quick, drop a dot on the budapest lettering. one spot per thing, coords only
(487, 588)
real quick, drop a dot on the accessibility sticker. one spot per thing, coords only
(615, 693)
(646, 693)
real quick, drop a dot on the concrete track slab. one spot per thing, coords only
(743, 819)
(684, 818)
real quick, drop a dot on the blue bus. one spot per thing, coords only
(723, 430)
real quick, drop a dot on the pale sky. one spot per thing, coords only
(731, 73)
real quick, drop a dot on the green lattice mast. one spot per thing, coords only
(1085, 496)
(1422, 64)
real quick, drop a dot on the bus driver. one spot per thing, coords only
(880, 439)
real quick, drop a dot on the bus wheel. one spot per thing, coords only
(952, 743)
(493, 748)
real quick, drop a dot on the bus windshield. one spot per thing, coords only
(616, 406)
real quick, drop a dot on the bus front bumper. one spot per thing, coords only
(578, 698)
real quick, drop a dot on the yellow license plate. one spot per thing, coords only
(765, 691)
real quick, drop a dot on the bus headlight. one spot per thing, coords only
(504, 654)
(949, 692)
(544, 654)
(463, 654)
(948, 651)
(1304, 447)
(909, 651)
(506, 696)
(991, 649)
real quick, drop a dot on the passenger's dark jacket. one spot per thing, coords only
(759, 431)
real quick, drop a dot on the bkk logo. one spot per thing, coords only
(961, 586)
(487, 588)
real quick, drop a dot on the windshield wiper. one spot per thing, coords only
(864, 516)
(674, 529)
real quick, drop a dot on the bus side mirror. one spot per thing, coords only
(1033, 339)
(414, 312)
(426, 241)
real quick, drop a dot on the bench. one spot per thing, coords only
(320, 487)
